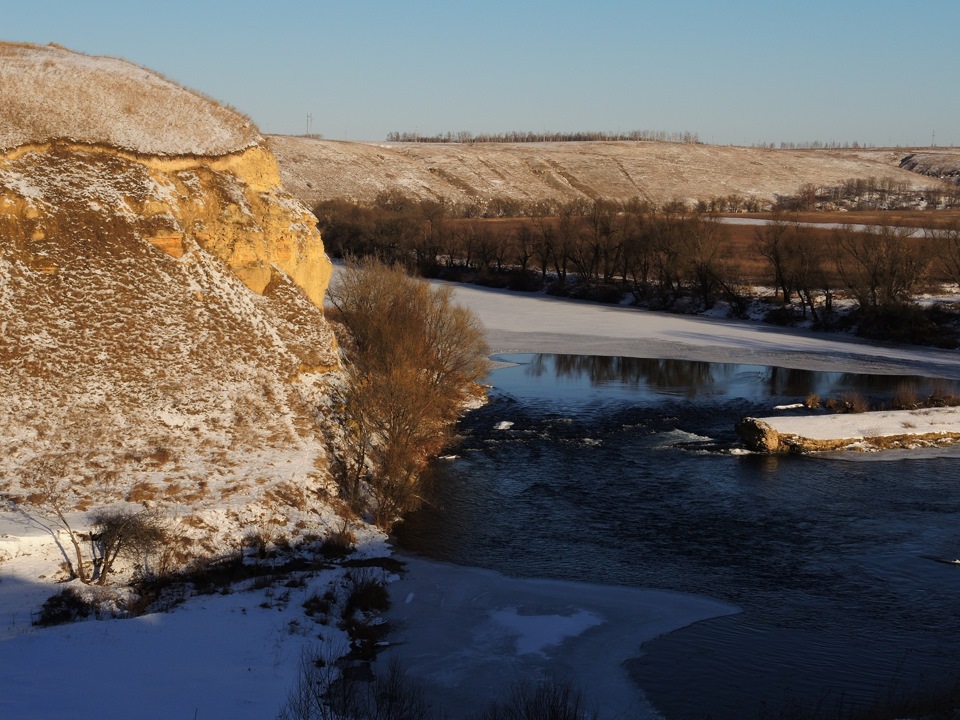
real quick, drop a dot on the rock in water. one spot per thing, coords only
(758, 436)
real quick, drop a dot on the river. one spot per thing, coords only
(625, 471)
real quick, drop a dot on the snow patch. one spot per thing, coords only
(537, 632)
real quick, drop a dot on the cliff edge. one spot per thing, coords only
(161, 334)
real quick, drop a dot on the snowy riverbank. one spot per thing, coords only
(470, 635)
(528, 322)
(523, 322)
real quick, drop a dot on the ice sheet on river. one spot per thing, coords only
(469, 634)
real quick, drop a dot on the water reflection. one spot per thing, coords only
(843, 569)
(652, 377)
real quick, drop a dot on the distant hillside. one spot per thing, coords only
(933, 162)
(316, 170)
(161, 334)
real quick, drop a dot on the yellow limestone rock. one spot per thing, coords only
(100, 146)
(226, 206)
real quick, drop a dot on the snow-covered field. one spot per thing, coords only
(235, 656)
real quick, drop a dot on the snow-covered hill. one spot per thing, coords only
(162, 342)
(474, 174)
(50, 93)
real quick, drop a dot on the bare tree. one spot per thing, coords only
(702, 237)
(945, 240)
(638, 246)
(50, 498)
(771, 242)
(414, 357)
(51, 484)
(880, 266)
(806, 270)
(124, 532)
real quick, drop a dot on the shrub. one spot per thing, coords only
(905, 397)
(64, 607)
(785, 316)
(548, 700)
(122, 532)
(257, 541)
(337, 545)
(325, 690)
(942, 394)
(414, 357)
(320, 605)
(367, 594)
(849, 402)
(906, 323)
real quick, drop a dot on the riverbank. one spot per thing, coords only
(517, 322)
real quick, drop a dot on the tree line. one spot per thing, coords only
(815, 145)
(465, 136)
(666, 256)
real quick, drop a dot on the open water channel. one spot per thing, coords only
(627, 472)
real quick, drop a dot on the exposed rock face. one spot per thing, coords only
(233, 207)
(943, 164)
(168, 162)
(758, 436)
(160, 292)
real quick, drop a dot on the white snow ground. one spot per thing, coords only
(227, 657)
(923, 421)
(524, 322)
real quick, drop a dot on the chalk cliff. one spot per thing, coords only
(161, 331)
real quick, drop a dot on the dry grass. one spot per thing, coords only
(106, 101)
(234, 489)
(849, 402)
(905, 397)
(317, 170)
(195, 521)
(289, 494)
(143, 492)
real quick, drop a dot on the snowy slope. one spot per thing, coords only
(111, 102)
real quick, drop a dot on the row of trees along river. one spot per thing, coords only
(671, 256)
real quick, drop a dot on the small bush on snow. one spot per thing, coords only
(64, 607)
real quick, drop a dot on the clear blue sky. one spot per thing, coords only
(740, 72)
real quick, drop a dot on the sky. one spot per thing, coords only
(736, 72)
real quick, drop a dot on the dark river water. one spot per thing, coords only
(628, 472)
